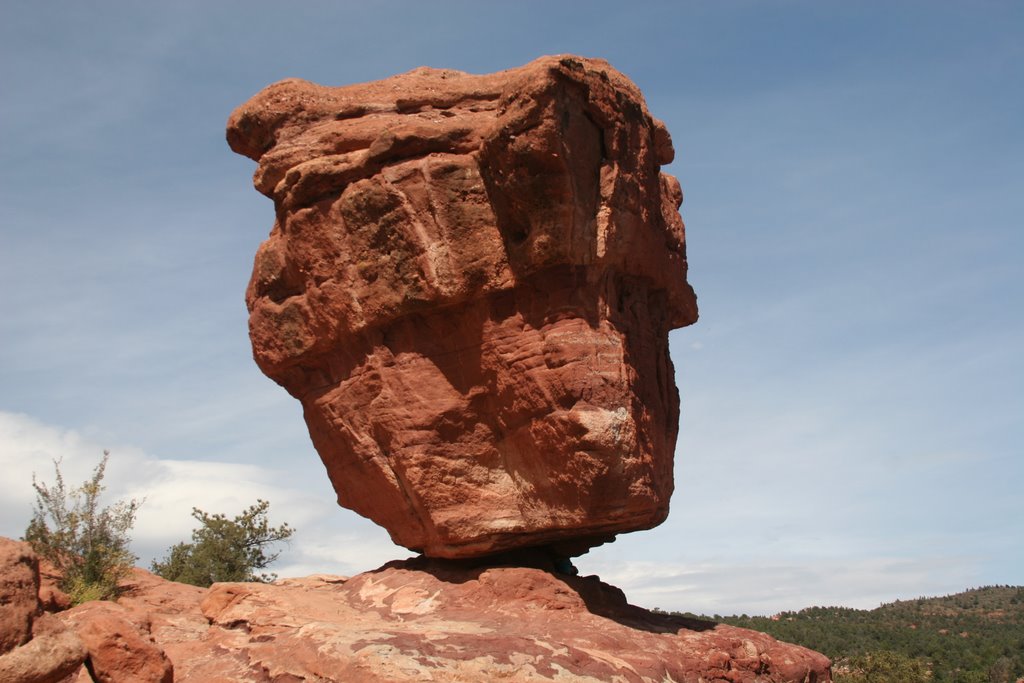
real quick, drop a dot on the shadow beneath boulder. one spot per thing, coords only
(608, 601)
(597, 597)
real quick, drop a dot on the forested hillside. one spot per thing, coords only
(972, 637)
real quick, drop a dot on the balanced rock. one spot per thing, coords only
(469, 286)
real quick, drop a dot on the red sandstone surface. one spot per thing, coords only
(418, 620)
(469, 286)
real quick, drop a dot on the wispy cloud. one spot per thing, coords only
(330, 540)
(772, 586)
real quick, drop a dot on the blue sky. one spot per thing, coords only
(854, 180)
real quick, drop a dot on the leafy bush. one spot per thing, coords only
(88, 544)
(225, 549)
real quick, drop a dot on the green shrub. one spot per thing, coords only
(225, 549)
(882, 667)
(88, 544)
(79, 590)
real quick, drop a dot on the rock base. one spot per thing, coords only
(415, 620)
(436, 620)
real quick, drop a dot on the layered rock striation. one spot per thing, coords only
(469, 286)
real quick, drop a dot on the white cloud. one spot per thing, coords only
(328, 539)
(717, 559)
(768, 586)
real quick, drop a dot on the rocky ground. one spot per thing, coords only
(416, 620)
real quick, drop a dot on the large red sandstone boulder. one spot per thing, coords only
(119, 649)
(53, 654)
(469, 287)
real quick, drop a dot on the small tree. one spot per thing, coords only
(87, 544)
(225, 549)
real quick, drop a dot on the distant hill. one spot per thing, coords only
(972, 637)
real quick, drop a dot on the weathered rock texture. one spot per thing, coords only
(418, 620)
(19, 593)
(34, 647)
(432, 620)
(469, 287)
(47, 658)
(437, 621)
(119, 648)
(95, 641)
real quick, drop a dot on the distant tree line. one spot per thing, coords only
(972, 637)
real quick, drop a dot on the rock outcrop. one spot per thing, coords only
(469, 286)
(436, 620)
(35, 647)
(119, 648)
(417, 620)
(19, 591)
(50, 657)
